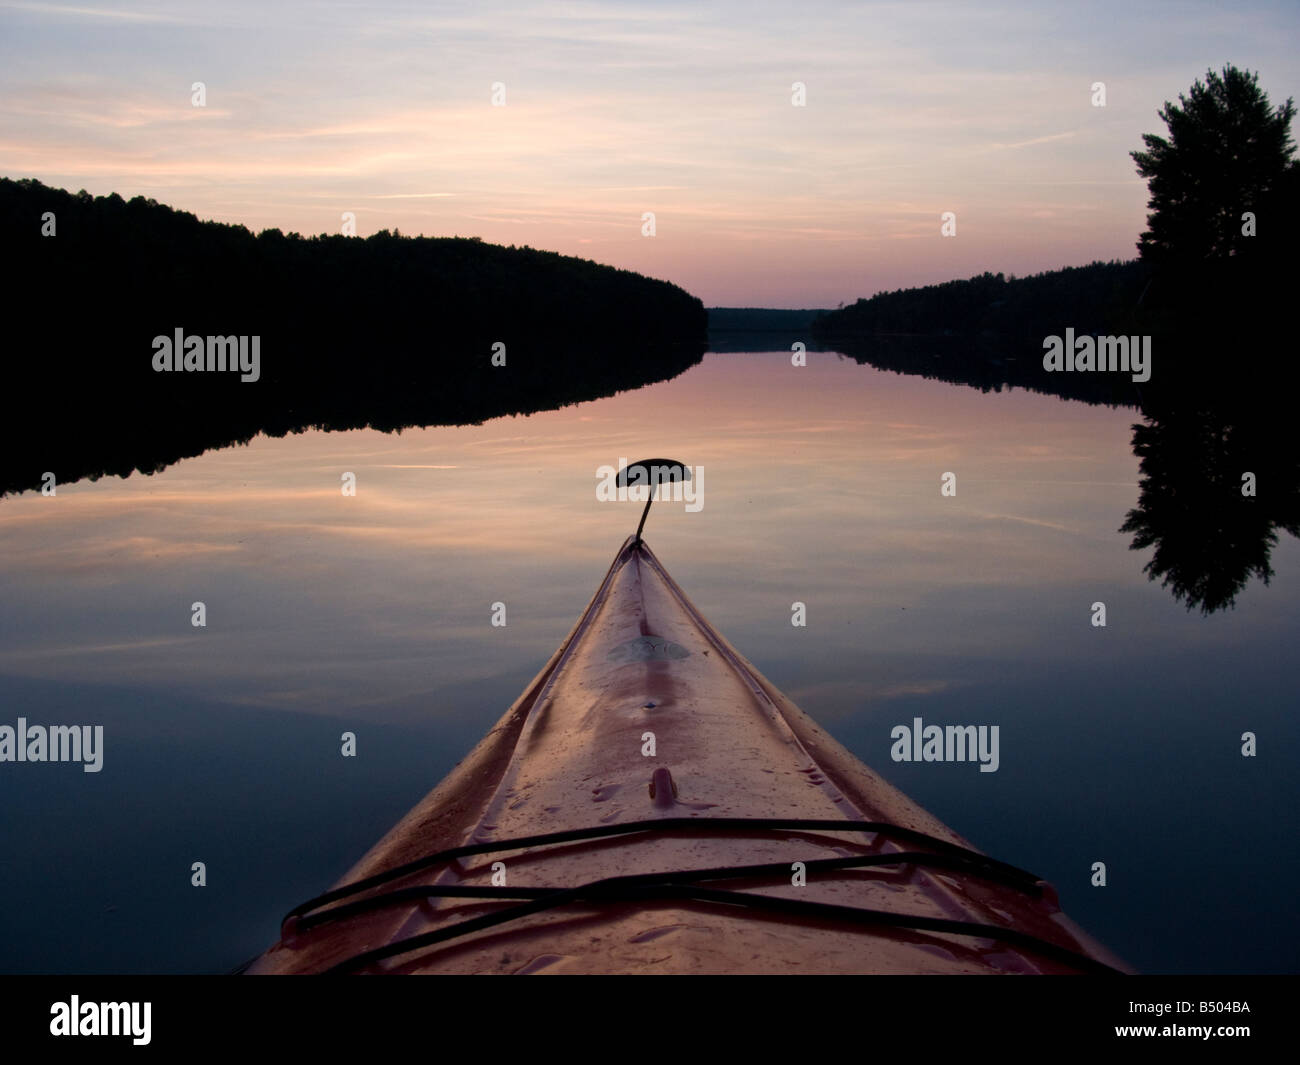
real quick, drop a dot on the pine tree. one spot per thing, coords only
(1229, 152)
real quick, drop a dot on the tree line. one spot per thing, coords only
(383, 332)
(1211, 283)
(1212, 286)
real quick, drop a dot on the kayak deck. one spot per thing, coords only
(646, 716)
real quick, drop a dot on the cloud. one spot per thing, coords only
(622, 108)
(76, 12)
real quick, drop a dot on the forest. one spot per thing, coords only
(1088, 297)
(1212, 284)
(385, 331)
(1212, 288)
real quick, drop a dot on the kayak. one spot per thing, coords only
(652, 804)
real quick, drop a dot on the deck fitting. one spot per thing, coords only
(663, 789)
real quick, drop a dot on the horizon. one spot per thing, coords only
(339, 330)
(616, 110)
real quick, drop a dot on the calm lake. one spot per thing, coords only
(372, 613)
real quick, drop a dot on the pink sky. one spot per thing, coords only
(615, 109)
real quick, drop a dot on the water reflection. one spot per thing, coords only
(135, 420)
(1219, 477)
(989, 364)
(823, 479)
(372, 613)
(1216, 487)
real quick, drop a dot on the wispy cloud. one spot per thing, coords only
(94, 13)
(613, 110)
(1050, 138)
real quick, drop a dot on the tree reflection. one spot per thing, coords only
(1217, 484)
(1210, 529)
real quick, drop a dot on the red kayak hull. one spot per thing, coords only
(646, 713)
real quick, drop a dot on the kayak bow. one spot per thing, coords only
(652, 804)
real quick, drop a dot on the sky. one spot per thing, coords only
(607, 111)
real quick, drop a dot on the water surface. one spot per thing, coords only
(372, 614)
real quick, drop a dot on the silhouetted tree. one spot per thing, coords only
(385, 331)
(1228, 150)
